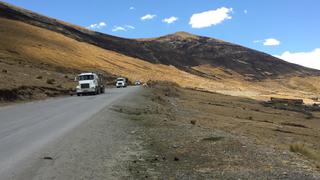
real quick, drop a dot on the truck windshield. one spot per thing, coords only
(86, 77)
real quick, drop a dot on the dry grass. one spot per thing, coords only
(306, 151)
(50, 81)
(214, 138)
(166, 88)
(20, 42)
(203, 127)
(30, 43)
(249, 118)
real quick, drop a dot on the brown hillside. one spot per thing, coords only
(182, 50)
(27, 51)
(32, 45)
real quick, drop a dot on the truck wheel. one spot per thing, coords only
(78, 94)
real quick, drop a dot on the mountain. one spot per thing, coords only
(32, 44)
(187, 50)
(182, 50)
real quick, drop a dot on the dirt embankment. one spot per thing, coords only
(22, 79)
(190, 134)
(29, 93)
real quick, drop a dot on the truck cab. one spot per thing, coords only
(89, 83)
(121, 82)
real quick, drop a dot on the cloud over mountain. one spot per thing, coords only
(170, 20)
(97, 25)
(271, 42)
(122, 28)
(210, 18)
(308, 59)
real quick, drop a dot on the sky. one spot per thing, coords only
(288, 29)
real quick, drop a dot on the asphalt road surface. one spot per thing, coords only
(27, 128)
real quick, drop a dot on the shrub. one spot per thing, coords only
(167, 88)
(50, 81)
(302, 149)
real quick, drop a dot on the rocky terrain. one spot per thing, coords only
(189, 134)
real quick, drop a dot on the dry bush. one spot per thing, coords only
(50, 81)
(162, 83)
(306, 151)
(158, 99)
(213, 138)
(127, 110)
(166, 88)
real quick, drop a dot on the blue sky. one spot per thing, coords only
(287, 28)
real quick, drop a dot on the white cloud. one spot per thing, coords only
(210, 18)
(170, 20)
(148, 17)
(129, 27)
(271, 42)
(132, 8)
(309, 59)
(268, 42)
(245, 11)
(102, 24)
(118, 28)
(122, 28)
(97, 25)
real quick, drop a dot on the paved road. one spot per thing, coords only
(26, 128)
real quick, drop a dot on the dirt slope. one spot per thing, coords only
(41, 52)
(35, 55)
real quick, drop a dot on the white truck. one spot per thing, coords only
(89, 83)
(121, 82)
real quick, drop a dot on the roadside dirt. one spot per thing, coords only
(188, 134)
(24, 80)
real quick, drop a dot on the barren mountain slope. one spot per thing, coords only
(181, 49)
(35, 49)
(28, 52)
